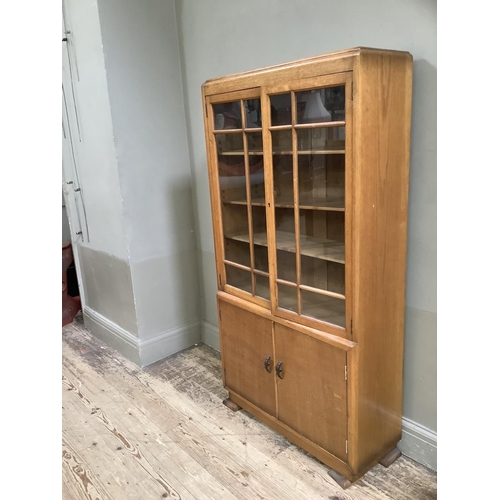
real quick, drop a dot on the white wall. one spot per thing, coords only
(141, 283)
(90, 123)
(89, 163)
(220, 37)
(144, 81)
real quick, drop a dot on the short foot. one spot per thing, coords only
(390, 458)
(343, 482)
(232, 406)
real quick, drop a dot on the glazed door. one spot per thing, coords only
(247, 350)
(307, 139)
(238, 194)
(312, 390)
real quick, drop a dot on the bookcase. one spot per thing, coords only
(308, 168)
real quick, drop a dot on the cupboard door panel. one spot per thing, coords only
(246, 342)
(312, 394)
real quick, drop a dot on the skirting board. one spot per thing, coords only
(418, 442)
(141, 352)
(210, 335)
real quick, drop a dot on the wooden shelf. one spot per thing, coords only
(318, 306)
(327, 204)
(319, 248)
(305, 126)
(286, 152)
(310, 152)
(237, 130)
(240, 153)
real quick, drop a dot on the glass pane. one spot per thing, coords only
(322, 235)
(321, 105)
(322, 182)
(324, 308)
(254, 143)
(229, 144)
(281, 109)
(237, 251)
(285, 244)
(236, 237)
(227, 115)
(322, 274)
(324, 139)
(287, 297)
(284, 216)
(260, 238)
(256, 177)
(257, 191)
(234, 220)
(253, 117)
(262, 286)
(232, 180)
(283, 180)
(282, 142)
(261, 259)
(239, 278)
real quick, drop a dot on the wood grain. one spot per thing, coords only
(319, 248)
(312, 394)
(164, 408)
(247, 340)
(123, 440)
(338, 339)
(382, 113)
(82, 482)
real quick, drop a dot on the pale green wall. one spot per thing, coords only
(220, 37)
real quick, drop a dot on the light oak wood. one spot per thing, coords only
(312, 393)
(249, 198)
(297, 243)
(247, 342)
(382, 113)
(320, 248)
(316, 203)
(335, 340)
(327, 64)
(335, 198)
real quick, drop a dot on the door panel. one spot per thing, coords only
(306, 132)
(246, 342)
(312, 397)
(236, 129)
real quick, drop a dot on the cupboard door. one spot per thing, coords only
(308, 126)
(237, 154)
(246, 343)
(312, 396)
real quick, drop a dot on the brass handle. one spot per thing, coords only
(279, 369)
(267, 364)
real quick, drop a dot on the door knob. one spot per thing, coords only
(267, 364)
(279, 369)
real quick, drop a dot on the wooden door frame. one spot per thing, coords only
(215, 198)
(312, 83)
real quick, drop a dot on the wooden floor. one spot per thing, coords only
(162, 432)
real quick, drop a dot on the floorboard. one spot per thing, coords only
(162, 432)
